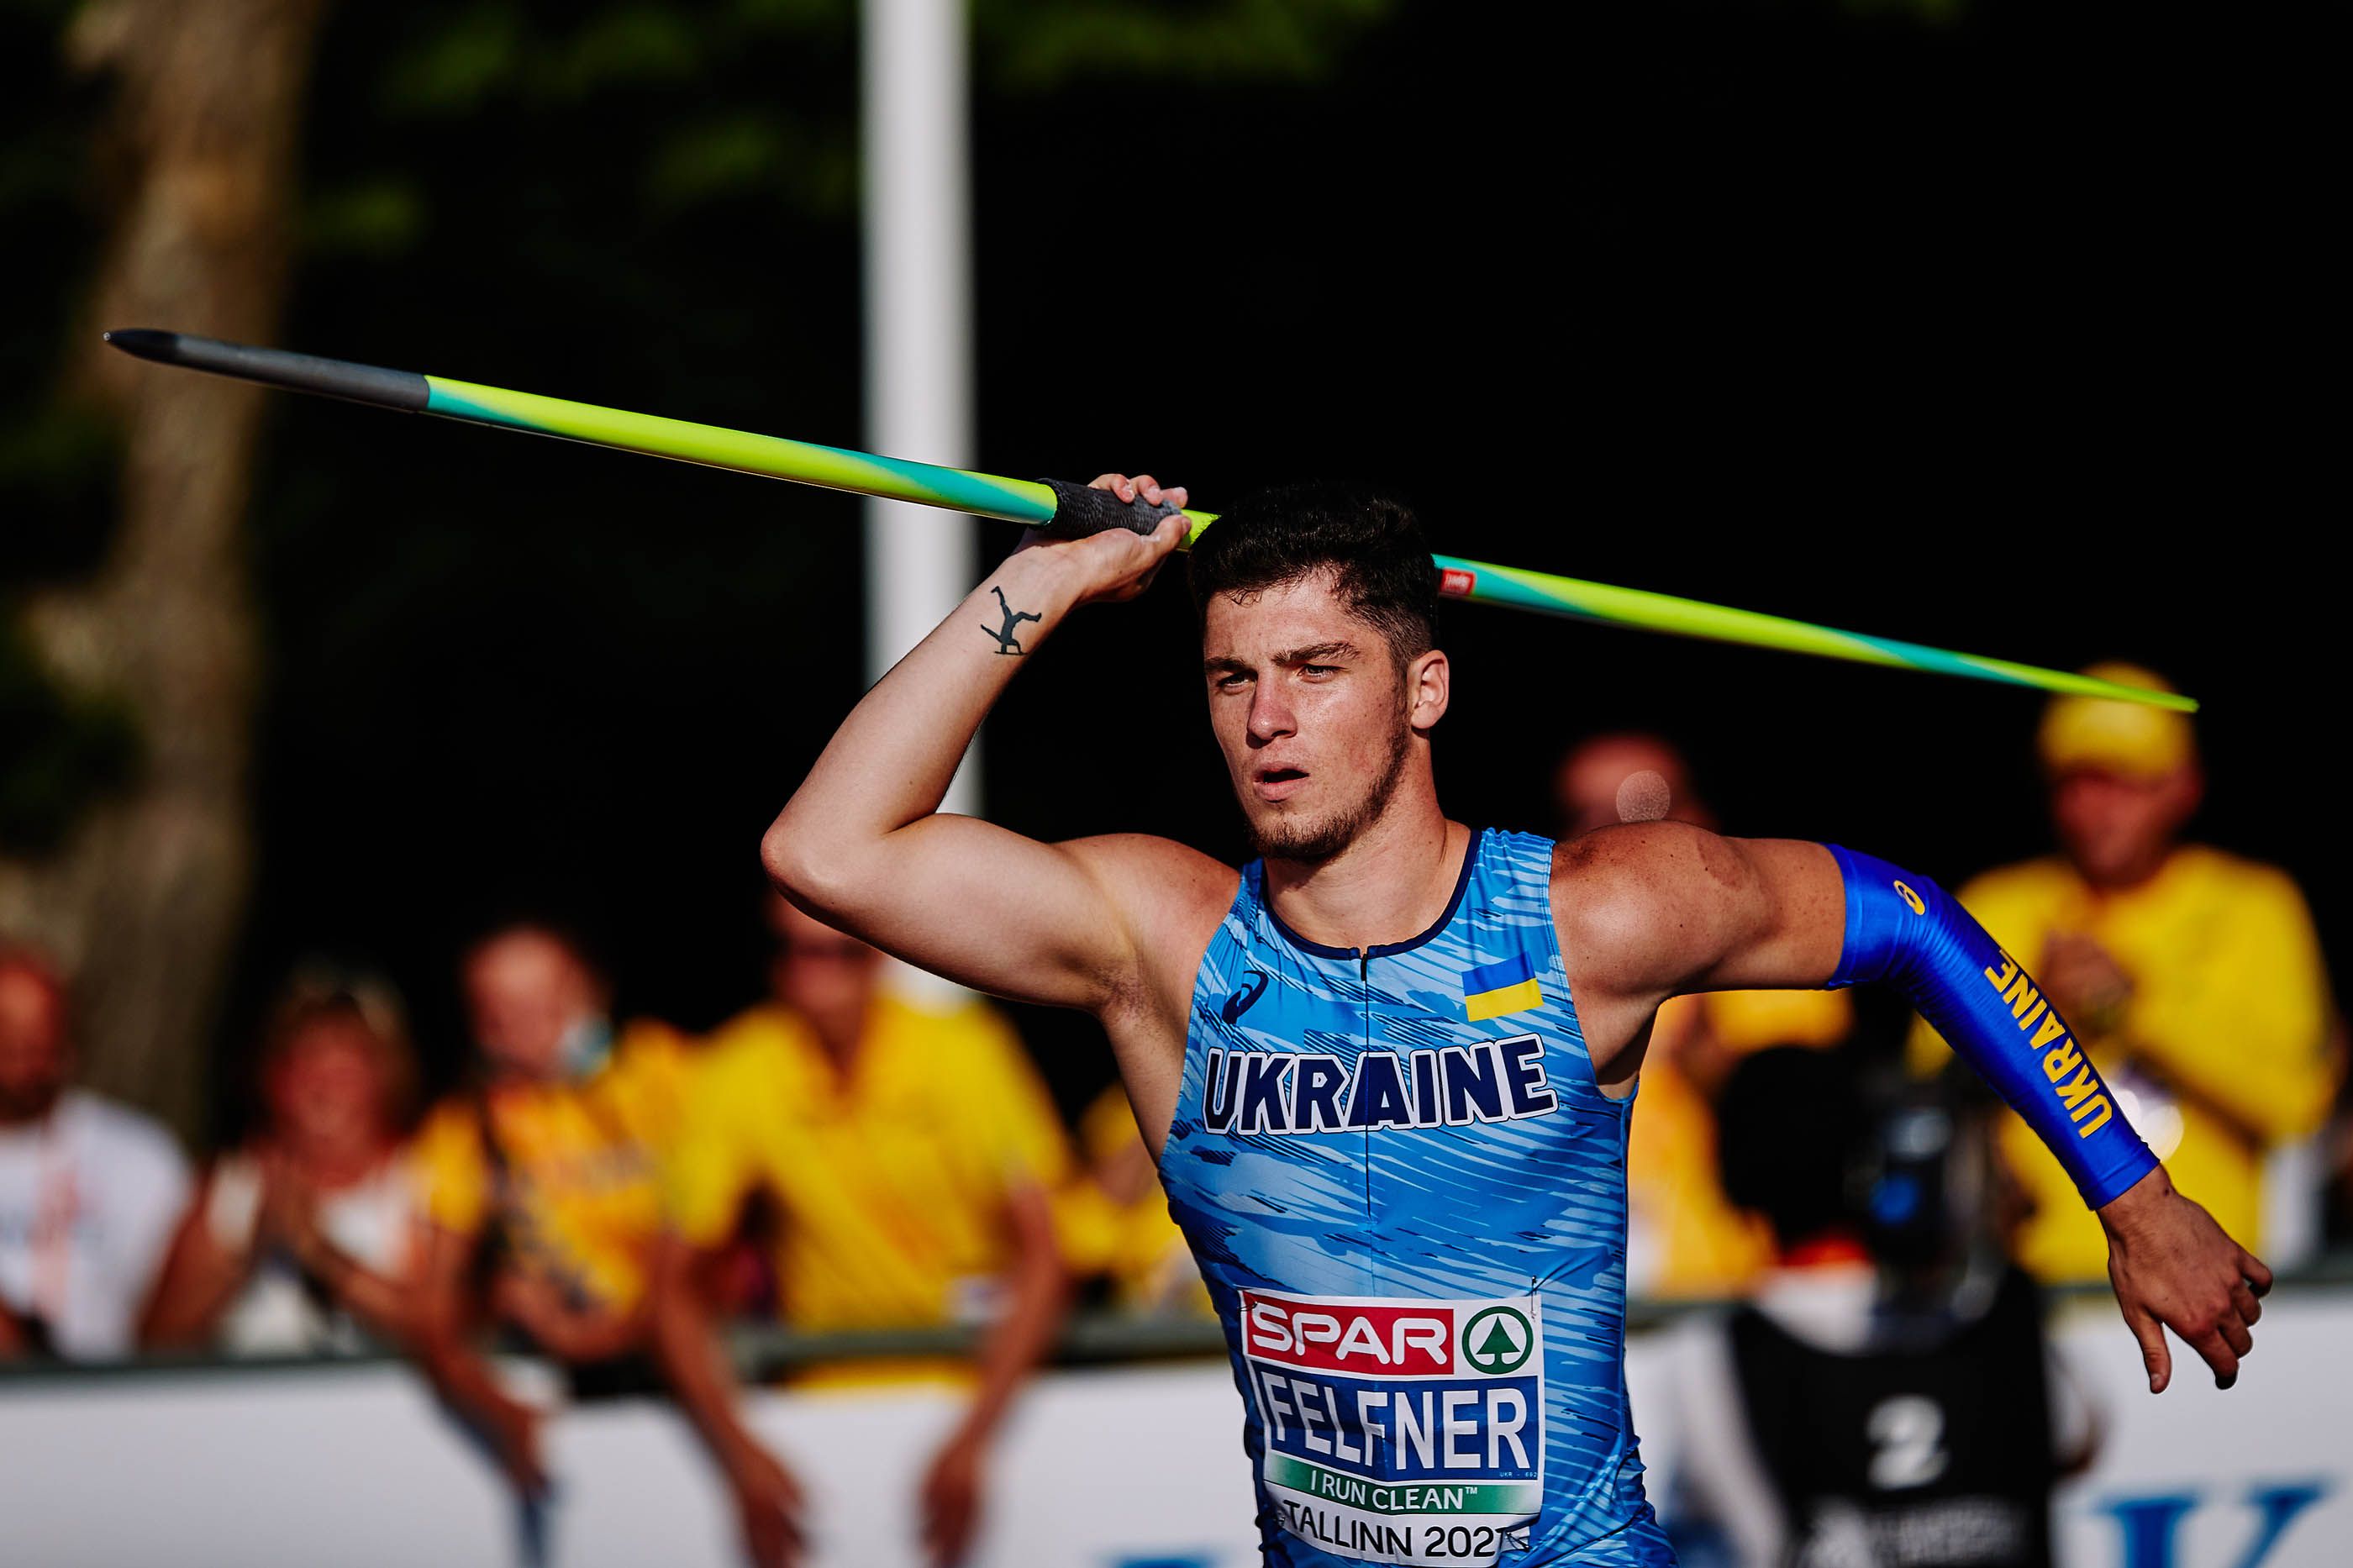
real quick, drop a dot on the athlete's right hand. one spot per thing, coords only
(768, 1502)
(1114, 564)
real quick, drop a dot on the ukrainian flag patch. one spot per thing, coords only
(1494, 989)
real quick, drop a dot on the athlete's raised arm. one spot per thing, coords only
(1650, 910)
(862, 843)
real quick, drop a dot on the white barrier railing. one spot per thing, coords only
(1117, 1466)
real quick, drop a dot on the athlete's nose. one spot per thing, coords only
(1270, 715)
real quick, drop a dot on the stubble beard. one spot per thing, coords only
(1312, 842)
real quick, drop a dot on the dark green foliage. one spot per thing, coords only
(56, 462)
(59, 754)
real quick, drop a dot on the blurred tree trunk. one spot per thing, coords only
(144, 903)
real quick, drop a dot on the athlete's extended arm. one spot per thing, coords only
(1650, 911)
(862, 844)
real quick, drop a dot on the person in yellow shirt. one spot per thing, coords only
(2193, 977)
(1684, 1237)
(540, 1183)
(1115, 1224)
(912, 1155)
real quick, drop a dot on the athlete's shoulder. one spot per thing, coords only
(1647, 909)
(1614, 880)
(1157, 878)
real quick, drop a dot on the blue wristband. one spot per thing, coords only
(1905, 931)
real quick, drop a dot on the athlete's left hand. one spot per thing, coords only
(951, 1498)
(2173, 1268)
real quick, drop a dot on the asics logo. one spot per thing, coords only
(1242, 1000)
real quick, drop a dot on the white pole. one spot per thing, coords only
(918, 318)
(918, 267)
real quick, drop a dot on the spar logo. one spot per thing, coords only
(1341, 1337)
(1498, 1341)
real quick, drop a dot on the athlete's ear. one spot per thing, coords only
(1427, 684)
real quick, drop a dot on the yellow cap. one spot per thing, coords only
(2130, 738)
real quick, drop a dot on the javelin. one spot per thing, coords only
(1056, 506)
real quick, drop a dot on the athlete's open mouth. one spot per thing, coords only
(1274, 783)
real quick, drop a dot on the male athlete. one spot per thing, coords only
(1387, 1069)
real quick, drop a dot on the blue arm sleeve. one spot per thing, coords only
(1907, 932)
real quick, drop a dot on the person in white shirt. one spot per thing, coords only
(303, 1239)
(89, 1189)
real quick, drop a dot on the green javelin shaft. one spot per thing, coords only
(1041, 504)
(1552, 594)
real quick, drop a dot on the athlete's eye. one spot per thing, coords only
(1319, 669)
(1233, 680)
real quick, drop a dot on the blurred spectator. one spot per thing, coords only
(911, 1154)
(310, 1229)
(1115, 1223)
(1682, 1238)
(1628, 777)
(89, 1189)
(2336, 1144)
(540, 1185)
(2193, 977)
(1887, 1396)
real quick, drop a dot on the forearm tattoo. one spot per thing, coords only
(1006, 641)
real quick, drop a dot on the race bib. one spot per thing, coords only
(1397, 1430)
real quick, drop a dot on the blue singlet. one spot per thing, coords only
(1409, 1198)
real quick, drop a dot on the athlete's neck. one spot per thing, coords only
(1390, 884)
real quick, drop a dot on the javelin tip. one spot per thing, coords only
(396, 389)
(145, 342)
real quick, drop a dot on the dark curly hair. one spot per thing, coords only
(1367, 538)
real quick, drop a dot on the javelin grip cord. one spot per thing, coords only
(1081, 511)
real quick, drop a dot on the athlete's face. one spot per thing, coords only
(1316, 720)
